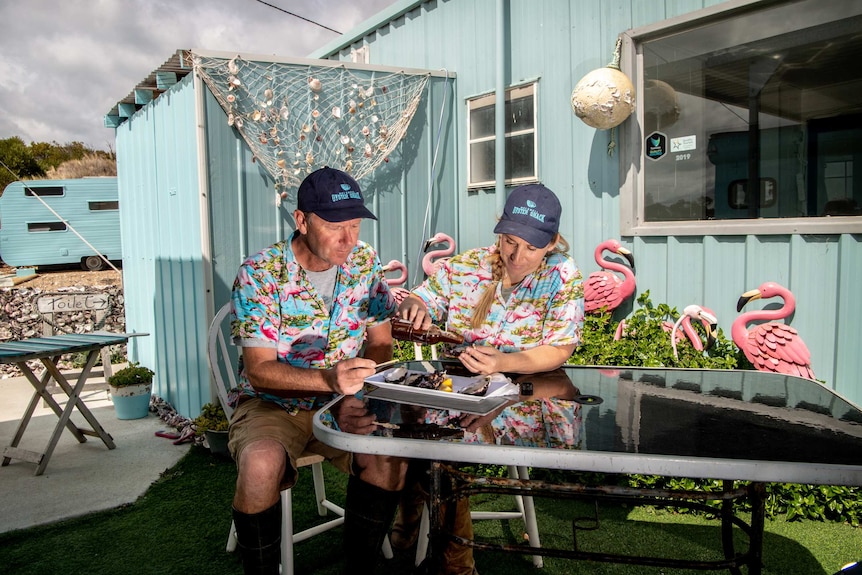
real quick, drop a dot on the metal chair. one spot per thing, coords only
(526, 511)
(220, 363)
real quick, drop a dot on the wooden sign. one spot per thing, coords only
(57, 303)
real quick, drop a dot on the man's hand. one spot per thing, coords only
(348, 376)
(354, 417)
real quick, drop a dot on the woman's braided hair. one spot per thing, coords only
(498, 270)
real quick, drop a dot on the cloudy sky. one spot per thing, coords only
(65, 63)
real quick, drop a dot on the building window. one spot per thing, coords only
(46, 191)
(521, 148)
(748, 121)
(46, 227)
(108, 205)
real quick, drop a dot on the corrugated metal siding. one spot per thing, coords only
(559, 41)
(163, 271)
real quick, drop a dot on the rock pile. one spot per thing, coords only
(20, 318)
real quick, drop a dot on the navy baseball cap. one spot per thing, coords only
(532, 213)
(333, 195)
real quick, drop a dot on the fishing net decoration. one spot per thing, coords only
(297, 118)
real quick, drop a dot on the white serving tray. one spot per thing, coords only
(497, 393)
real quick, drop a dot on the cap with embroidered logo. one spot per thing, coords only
(532, 213)
(333, 195)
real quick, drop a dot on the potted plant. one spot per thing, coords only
(213, 424)
(131, 388)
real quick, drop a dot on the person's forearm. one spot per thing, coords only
(285, 380)
(537, 359)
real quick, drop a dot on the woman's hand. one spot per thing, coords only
(483, 359)
(413, 309)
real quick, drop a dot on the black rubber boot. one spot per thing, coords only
(368, 513)
(258, 537)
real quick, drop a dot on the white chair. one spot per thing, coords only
(221, 363)
(526, 512)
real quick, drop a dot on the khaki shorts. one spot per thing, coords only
(255, 419)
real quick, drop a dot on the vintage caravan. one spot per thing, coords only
(50, 222)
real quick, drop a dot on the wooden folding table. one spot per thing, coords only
(48, 350)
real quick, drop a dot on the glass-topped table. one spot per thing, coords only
(729, 425)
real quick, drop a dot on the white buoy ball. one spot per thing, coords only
(604, 98)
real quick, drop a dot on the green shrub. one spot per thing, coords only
(134, 374)
(212, 418)
(646, 343)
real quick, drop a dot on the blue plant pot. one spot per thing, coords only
(131, 403)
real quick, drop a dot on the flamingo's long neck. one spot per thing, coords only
(428, 258)
(613, 266)
(739, 327)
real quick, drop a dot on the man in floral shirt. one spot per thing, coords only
(311, 314)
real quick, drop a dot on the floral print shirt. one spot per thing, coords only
(546, 308)
(275, 305)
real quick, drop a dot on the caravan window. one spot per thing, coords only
(749, 121)
(521, 148)
(46, 227)
(108, 205)
(46, 191)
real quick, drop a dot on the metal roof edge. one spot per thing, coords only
(174, 69)
(362, 29)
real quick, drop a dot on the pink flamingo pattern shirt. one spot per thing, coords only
(546, 308)
(275, 305)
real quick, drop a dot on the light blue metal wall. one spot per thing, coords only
(558, 42)
(163, 271)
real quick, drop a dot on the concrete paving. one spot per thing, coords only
(80, 477)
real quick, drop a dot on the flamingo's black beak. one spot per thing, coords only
(711, 331)
(628, 255)
(747, 297)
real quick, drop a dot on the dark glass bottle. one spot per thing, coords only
(404, 330)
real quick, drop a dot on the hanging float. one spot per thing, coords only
(605, 97)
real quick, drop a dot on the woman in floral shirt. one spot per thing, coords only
(519, 305)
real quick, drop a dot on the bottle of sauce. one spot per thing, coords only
(404, 330)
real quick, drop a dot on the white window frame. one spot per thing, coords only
(632, 220)
(489, 99)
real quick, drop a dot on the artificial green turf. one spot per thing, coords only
(180, 526)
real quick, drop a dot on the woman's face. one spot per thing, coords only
(520, 258)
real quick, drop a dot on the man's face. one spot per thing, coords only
(330, 242)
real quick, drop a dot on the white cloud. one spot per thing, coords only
(66, 63)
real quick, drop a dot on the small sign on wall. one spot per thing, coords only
(655, 146)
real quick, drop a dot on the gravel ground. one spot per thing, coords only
(51, 280)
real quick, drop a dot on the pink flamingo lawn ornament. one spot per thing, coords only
(683, 328)
(432, 260)
(604, 289)
(395, 283)
(706, 317)
(771, 346)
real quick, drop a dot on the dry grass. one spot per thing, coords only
(89, 165)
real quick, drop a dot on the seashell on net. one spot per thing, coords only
(267, 96)
(284, 113)
(336, 112)
(309, 158)
(256, 115)
(233, 67)
(315, 84)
